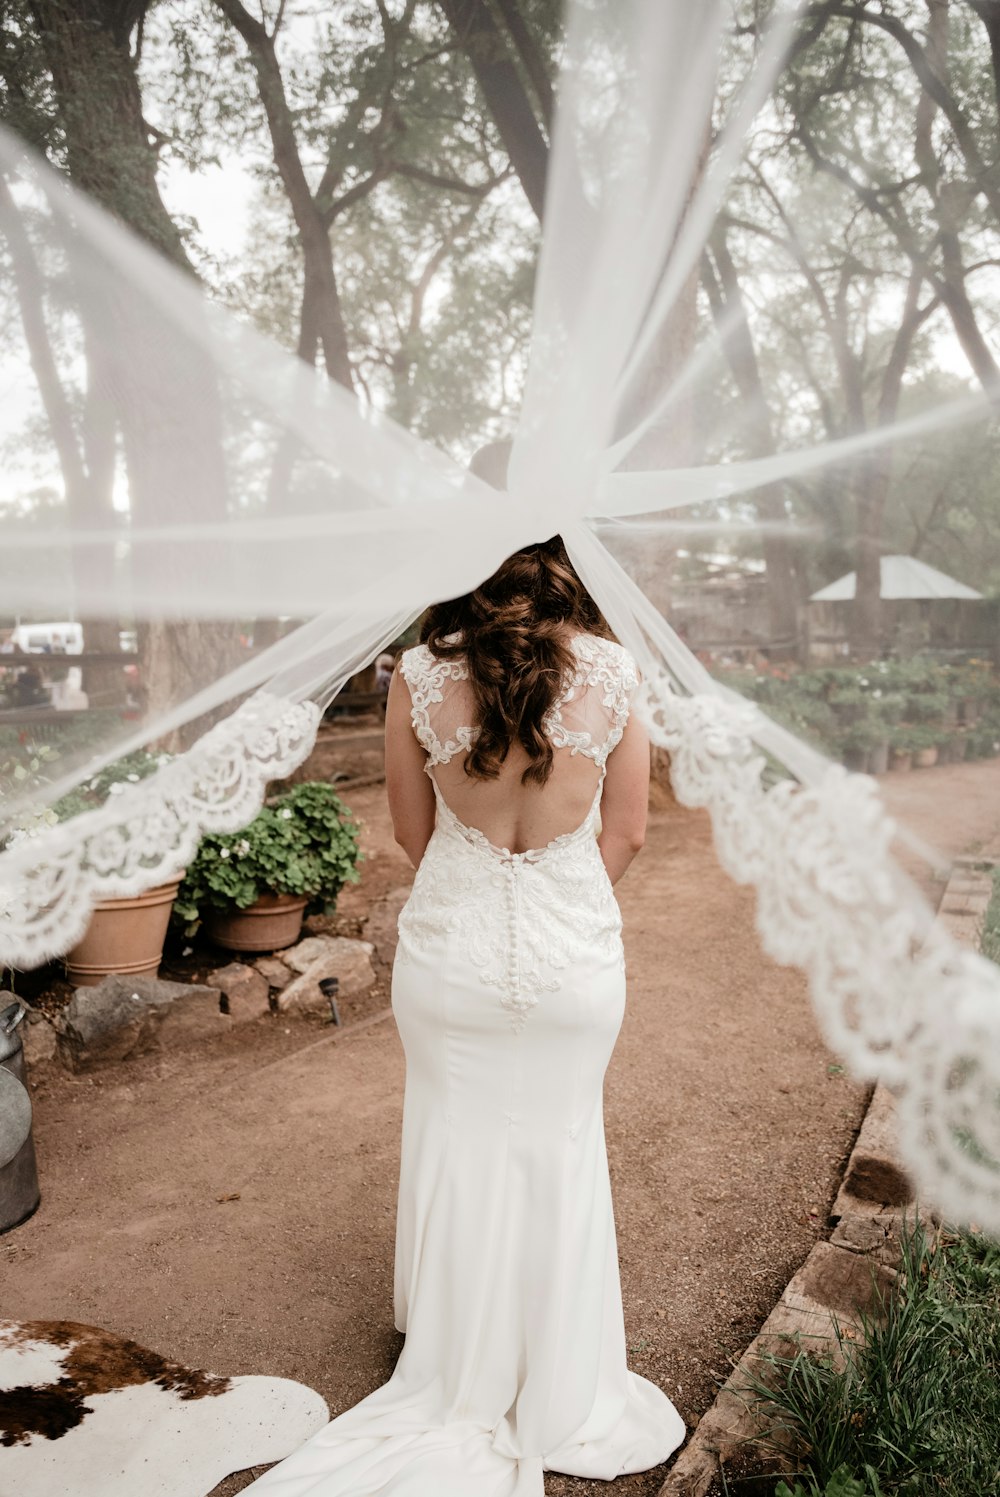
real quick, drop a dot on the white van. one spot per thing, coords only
(44, 639)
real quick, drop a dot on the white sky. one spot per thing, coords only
(219, 198)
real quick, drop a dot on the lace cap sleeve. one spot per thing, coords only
(620, 697)
(591, 715)
(438, 703)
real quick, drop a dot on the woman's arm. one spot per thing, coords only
(625, 801)
(410, 792)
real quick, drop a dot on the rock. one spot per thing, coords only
(37, 1037)
(844, 1282)
(193, 1016)
(381, 925)
(873, 1178)
(125, 1016)
(275, 970)
(307, 951)
(245, 991)
(349, 961)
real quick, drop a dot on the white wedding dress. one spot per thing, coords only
(508, 991)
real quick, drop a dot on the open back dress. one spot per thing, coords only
(508, 991)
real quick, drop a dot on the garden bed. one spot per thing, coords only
(888, 714)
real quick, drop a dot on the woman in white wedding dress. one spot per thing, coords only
(518, 785)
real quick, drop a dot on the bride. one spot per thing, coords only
(517, 782)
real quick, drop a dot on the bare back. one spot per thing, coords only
(584, 725)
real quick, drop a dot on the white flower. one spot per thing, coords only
(116, 788)
(862, 680)
(286, 814)
(134, 778)
(877, 692)
(243, 847)
(224, 852)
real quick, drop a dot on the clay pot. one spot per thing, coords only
(272, 922)
(124, 935)
(900, 759)
(926, 758)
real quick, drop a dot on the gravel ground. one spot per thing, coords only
(728, 1127)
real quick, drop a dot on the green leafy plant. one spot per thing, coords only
(301, 842)
(21, 773)
(849, 710)
(927, 706)
(907, 1403)
(109, 781)
(860, 736)
(912, 737)
(841, 1484)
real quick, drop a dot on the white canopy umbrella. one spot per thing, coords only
(901, 577)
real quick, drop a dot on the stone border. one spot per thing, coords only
(840, 1275)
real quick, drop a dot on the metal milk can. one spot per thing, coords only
(19, 1194)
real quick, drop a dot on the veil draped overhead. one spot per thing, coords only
(168, 466)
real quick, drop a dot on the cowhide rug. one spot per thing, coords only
(85, 1413)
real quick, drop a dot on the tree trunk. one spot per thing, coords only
(875, 478)
(484, 45)
(988, 12)
(86, 45)
(531, 59)
(87, 469)
(321, 297)
(783, 585)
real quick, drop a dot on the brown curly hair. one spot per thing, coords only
(513, 632)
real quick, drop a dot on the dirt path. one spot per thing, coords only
(728, 1123)
(954, 808)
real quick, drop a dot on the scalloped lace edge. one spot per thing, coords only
(895, 996)
(146, 835)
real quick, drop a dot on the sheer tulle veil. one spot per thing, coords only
(170, 466)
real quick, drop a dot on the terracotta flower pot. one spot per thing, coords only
(272, 922)
(926, 758)
(124, 935)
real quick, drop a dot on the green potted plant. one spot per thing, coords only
(901, 747)
(126, 932)
(850, 699)
(924, 741)
(858, 741)
(975, 683)
(250, 889)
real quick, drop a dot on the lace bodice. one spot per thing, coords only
(588, 718)
(520, 919)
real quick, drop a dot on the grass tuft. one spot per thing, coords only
(911, 1405)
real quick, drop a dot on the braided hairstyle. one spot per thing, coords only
(513, 633)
